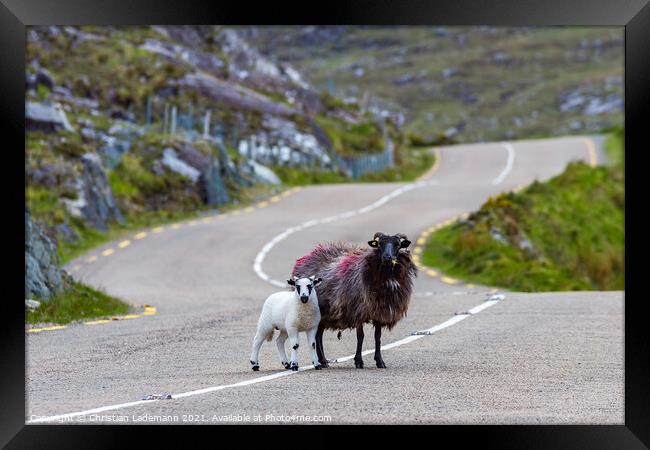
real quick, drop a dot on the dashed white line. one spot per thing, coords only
(509, 163)
(452, 321)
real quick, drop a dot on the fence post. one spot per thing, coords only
(206, 124)
(173, 123)
(166, 120)
(148, 114)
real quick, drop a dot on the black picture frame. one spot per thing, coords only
(634, 15)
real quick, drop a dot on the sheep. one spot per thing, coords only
(362, 285)
(290, 313)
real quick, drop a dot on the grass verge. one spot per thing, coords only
(562, 235)
(77, 302)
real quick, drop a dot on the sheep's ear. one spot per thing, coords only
(405, 243)
(291, 282)
(373, 243)
(317, 281)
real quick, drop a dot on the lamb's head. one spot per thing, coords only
(303, 287)
(388, 246)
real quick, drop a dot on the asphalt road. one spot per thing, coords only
(529, 358)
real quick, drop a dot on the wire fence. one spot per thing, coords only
(192, 124)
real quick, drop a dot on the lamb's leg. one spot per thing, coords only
(319, 347)
(358, 360)
(294, 340)
(378, 359)
(311, 339)
(258, 340)
(280, 343)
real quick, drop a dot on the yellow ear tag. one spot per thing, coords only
(394, 261)
(374, 243)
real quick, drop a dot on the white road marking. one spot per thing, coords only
(285, 373)
(259, 259)
(509, 163)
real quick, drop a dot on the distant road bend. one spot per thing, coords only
(529, 358)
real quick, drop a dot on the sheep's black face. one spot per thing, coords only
(388, 247)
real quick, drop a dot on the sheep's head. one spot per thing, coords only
(304, 286)
(388, 247)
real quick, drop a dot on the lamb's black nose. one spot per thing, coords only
(304, 298)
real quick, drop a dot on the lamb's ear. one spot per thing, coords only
(404, 243)
(291, 282)
(317, 281)
(373, 243)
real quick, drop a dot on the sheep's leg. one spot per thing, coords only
(258, 340)
(280, 343)
(358, 360)
(311, 339)
(294, 340)
(319, 347)
(378, 359)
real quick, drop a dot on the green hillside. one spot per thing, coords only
(478, 83)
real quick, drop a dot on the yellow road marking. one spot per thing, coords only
(97, 322)
(591, 149)
(176, 226)
(249, 209)
(470, 286)
(432, 273)
(108, 252)
(128, 316)
(38, 330)
(206, 219)
(149, 311)
(236, 212)
(275, 199)
(417, 250)
(449, 280)
(91, 259)
(76, 267)
(421, 241)
(263, 204)
(124, 244)
(286, 193)
(158, 230)
(140, 235)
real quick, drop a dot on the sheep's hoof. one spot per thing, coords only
(358, 363)
(324, 365)
(381, 364)
(318, 366)
(286, 365)
(256, 368)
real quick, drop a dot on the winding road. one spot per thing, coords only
(528, 358)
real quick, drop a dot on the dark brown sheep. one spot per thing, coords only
(361, 285)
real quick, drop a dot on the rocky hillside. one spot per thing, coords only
(466, 83)
(133, 123)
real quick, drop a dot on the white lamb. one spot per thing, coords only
(289, 312)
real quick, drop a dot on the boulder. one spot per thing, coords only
(42, 274)
(175, 164)
(231, 94)
(95, 203)
(32, 305)
(263, 174)
(46, 117)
